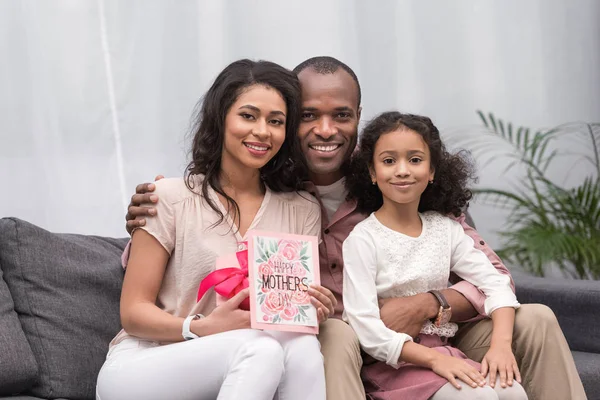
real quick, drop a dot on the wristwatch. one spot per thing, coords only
(445, 311)
(185, 330)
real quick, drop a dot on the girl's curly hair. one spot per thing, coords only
(448, 194)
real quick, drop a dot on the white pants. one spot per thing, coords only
(240, 364)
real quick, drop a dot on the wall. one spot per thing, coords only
(96, 96)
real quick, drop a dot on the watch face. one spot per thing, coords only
(445, 317)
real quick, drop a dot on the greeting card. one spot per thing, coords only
(280, 269)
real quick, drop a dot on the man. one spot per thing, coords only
(328, 135)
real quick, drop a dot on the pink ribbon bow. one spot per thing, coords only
(228, 281)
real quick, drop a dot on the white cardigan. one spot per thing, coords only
(382, 263)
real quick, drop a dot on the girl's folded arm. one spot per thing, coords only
(473, 266)
(361, 302)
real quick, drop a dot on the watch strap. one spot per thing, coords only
(440, 298)
(185, 329)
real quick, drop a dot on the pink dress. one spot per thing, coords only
(409, 381)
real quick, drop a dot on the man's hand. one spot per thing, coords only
(143, 194)
(407, 314)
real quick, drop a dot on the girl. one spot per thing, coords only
(245, 173)
(408, 182)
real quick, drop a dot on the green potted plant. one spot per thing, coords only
(548, 223)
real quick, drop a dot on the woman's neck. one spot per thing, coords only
(238, 180)
(403, 218)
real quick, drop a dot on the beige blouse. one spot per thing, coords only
(184, 227)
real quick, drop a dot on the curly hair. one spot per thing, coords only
(448, 194)
(286, 171)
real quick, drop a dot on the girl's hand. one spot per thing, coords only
(451, 368)
(323, 300)
(500, 360)
(228, 316)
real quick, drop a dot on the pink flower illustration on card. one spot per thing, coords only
(301, 297)
(289, 313)
(298, 270)
(290, 249)
(264, 269)
(274, 303)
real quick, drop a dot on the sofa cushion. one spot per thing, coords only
(588, 366)
(18, 368)
(575, 303)
(23, 398)
(66, 291)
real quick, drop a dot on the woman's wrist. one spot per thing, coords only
(201, 327)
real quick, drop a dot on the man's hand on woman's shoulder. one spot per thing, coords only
(143, 195)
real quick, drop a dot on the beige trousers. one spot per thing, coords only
(343, 361)
(544, 358)
(545, 361)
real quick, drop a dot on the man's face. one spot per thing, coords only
(329, 125)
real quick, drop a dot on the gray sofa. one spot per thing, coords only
(59, 308)
(577, 308)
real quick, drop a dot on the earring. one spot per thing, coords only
(374, 182)
(431, 182)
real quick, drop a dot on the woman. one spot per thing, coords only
(245, 173)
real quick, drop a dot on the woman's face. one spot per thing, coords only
(254, 128)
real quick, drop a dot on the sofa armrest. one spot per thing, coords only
(576, 304)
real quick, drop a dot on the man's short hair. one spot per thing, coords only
(327, 65)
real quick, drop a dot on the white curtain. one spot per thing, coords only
(96, 96)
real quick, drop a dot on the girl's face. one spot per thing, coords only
(254, 128)
(401, 166)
